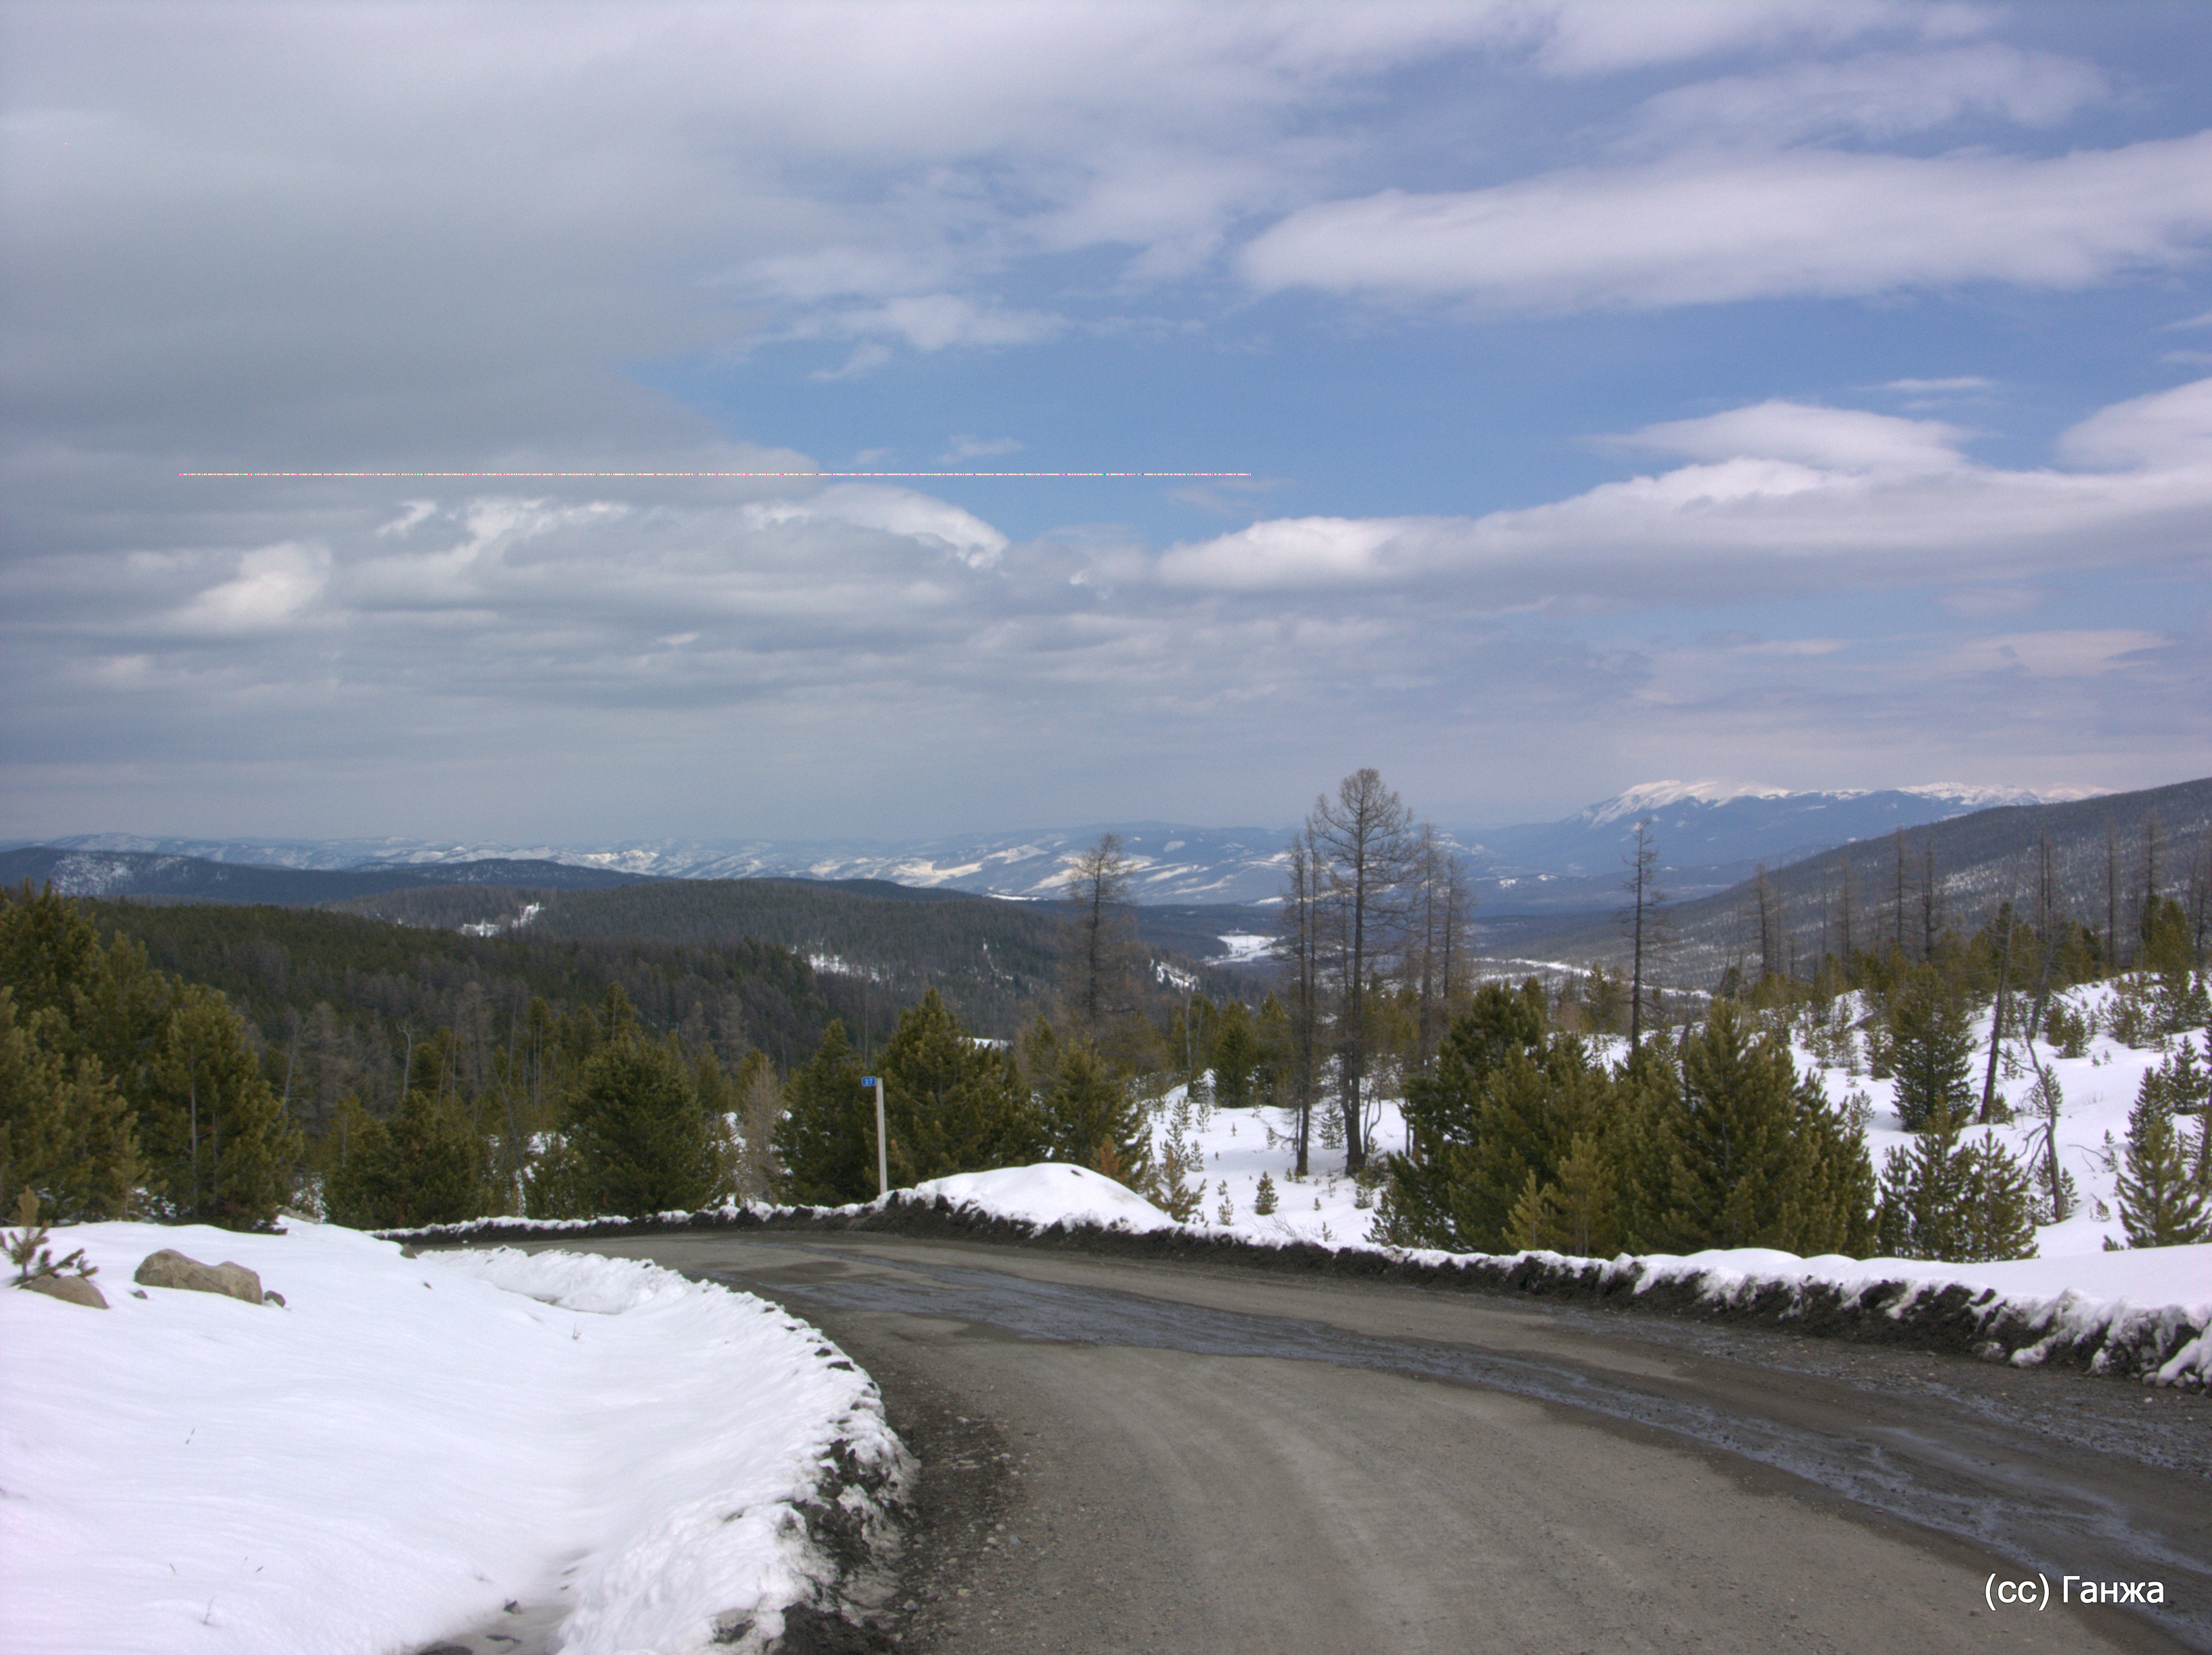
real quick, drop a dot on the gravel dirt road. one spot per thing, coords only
(1122, 1456)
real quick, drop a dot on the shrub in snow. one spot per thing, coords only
(2068, 1028)
(1263, 1198)
(1169, 1187)
(28, 1252)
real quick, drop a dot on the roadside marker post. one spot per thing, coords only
(883, 1152)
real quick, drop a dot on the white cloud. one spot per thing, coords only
(965, 447)
(1960, 382)
(938, 321)
(1878, 96)
(1987, 603)
(1834, 439)
(1596, 37)
(903, 512)
(1717, 227)
(1782, 499)
(2166, 430)
(1293, 552)
(273, 585)
(2077, 653)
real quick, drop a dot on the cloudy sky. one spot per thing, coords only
(1817, 394)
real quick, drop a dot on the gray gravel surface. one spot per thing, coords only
(1121, 1456)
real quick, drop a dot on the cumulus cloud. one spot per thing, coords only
(1709, 228)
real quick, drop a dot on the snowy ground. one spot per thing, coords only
(406, 1448)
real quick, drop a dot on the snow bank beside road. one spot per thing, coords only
(2144, 1310)
(1052, 1192)
(411, 1446)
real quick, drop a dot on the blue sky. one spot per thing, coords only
(1817, 395)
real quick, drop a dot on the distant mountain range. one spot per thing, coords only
(1710, 834)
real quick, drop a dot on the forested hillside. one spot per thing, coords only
(2095, 863)
(196, 879)
(339, 1001)
(877, 946)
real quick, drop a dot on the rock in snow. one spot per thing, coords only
(171, 1269)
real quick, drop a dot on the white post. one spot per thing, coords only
(882, 1150)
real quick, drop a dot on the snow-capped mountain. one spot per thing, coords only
(1714, 824)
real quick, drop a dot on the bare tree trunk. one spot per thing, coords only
(1643, 894)
(1927, 903)
(1362, 832)
(1900, 893)
(1763, 894)
(1997, 1021)
(2111, 896)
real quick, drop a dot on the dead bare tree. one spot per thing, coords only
(1362, 833)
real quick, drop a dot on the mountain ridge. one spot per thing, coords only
(1710, 833)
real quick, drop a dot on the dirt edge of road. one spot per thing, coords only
(1954, 1321)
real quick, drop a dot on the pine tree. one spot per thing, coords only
(65, 1132)
(1087, 1109)
(1577, 1213)
(1174, 1181)
(1235, 1056)
(1965, 1203)
(1263, 1198)
(2163, 1201)
(953, 1106)
(2181, 1084)
(1753, 1158)
(1930, 1052)
(1466, 1161)
(220, 1150)
(636, 1125)
(423, 1166)
(1363, 836)
(826, 1139)
(756, 1100)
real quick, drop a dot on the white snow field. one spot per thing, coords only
(407, 1447)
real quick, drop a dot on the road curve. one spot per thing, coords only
(1123, 1455)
